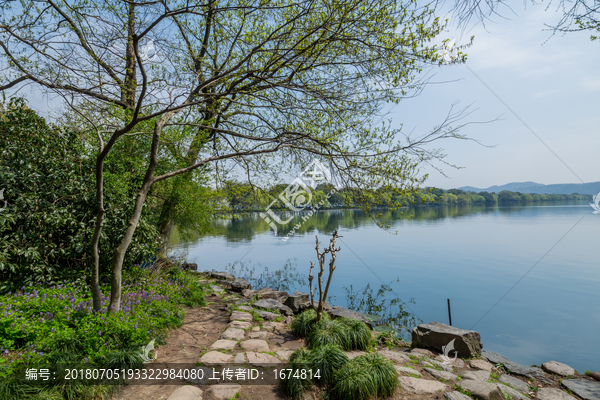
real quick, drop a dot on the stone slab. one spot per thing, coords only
(441, 374)
(233, 334)
(262, 359)
(517, 369)
(395, 356)
(420, 386)
(515, 383)
(456, 395)
(407, 371)
(240, 316)
(224, 392)
(586, 389)
(482, 390)
(240, 324)
(558, 368)
(256, 345)
(552, 394)
(476, 375)
(216, 357)
(186, 393)
(223, 344)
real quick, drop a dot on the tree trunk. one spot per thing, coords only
(97, 231)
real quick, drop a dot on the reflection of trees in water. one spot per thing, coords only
(285, 278)
(389, 313)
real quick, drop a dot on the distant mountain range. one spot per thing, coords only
(532, 187)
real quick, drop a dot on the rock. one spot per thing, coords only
(455, 362)
(558, 368)
(246, 308)
(223, 344)
(482, 390)
(456, 395)
(240, 316)
(224, 391)
(240, 284)
(248, 292)
(216, 288)
(436, 335)
(202, 376)
(515, 383)
(239, 324)
(288, 320)
(420, 386)
(407, 371)
(269, 326)
(517, 369)
(295, 300)
(189, 266)
(341, 312)
(267, 315)
(586, 389)
(243, 301)
(481, 364)
(270, 304)
(226, 284)
(512, 393)
(256, 329)
(441, 374)
(186, 393)
(266, 293)
(552, 394)
(355, 353)
(394, 356)
(221, 275)
(239, 358)
(262, 359)
(433, 363)
(305, 306)
(284, 355)
(233, 334)
(425, 352)
(216, 357)
(255, 345)
(476, 375)
(258, 335)
(595, 375)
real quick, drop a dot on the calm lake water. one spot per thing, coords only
(473, 255)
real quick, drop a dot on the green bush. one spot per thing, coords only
(304, 322)
(383, 373)
(358, 333)
(296, 386)
(354, 381)
(328, 331)
(327, 359)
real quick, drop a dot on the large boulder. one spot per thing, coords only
(295, 300)
(240, 284)
(221, 275)
(341, 312)
(266, 293)
(270, 304)
(558, 368)
(436, 335)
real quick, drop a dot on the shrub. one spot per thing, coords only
(353, 381)
(385, 376)
(359, 334)
(304, 322)
(328, 332)
(327, 359)
(296, 386)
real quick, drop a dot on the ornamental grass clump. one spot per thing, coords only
(293, 383)
(365, 377)
(304, 322)
(358, 334)
(383, 373)
(327, 359)
(328, 332)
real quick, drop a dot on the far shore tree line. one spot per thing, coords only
(239, 196)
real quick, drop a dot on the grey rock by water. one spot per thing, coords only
(513, 393)
(558, 368)
(482, 390)
(295, 300)
(586, 389)
(517, 369)
(437, 335)
(341, 312)
(270, 304)
(266, 315)
(190, 266)
(515, 383)
(221, 275)
(552, 394)
(240, 284)
(224, 283)
(280, 296)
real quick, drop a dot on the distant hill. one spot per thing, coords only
(532, 187)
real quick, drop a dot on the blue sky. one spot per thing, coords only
(550, 82)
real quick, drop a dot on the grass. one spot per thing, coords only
(295, 387)
(327, 359)
(353, 381)
(328, 331)
(358, 333)
(304, 322)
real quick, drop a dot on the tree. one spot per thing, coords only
(321, 255)
(260, 86)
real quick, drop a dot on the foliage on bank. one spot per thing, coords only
(48, 326)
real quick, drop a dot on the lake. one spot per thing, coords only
(526, 277)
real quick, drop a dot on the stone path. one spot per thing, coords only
(251, 334)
